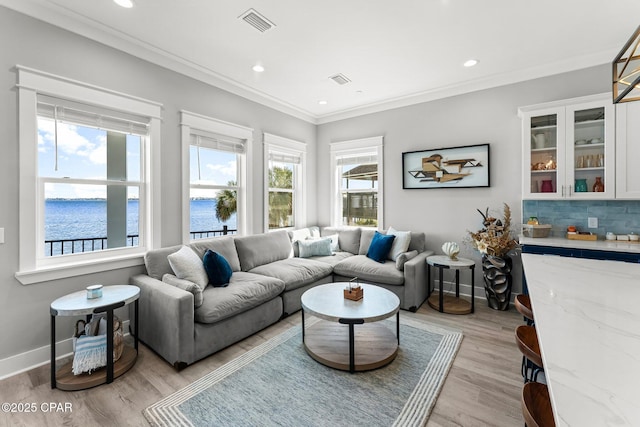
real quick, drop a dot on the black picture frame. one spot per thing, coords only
(451, 167)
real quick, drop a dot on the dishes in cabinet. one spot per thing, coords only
(581, 142)
(595, 141)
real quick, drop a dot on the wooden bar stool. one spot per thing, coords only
(527, 341)
(536, 406)
(523, 305)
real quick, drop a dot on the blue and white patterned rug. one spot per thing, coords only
(279, 384)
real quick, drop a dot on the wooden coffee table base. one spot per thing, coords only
(328, 343)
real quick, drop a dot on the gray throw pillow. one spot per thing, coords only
(186, 264)
(403, 258)
(309, 248)
(185, 285)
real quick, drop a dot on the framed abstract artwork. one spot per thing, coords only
(454, 167)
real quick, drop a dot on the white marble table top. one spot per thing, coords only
(451, 263)
(596, 245)
(77, 303)
(588, 324)
(328, 302)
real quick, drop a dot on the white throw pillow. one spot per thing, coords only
(400, 243)
(186, 264)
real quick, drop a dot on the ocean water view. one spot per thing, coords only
(73, 219)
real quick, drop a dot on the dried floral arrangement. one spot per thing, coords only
(495, 238)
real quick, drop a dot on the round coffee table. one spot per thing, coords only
(333, 341)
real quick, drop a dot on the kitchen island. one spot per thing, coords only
(588, 324)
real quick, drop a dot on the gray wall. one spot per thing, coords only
(488, 116)
(24, 310)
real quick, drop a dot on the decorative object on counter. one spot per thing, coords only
(634, 237)
(494, 242)
(626, 71)
(536, 230)
(451, 249)
(547, 186)
(582, 235)
(571, 229)
(610, 236)
(598, 186)
(354, 291)
(623, 237)
(532, 220)
(581, 185)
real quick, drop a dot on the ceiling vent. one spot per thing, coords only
(340, 78)
(256, 20)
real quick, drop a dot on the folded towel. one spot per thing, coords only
(90, 353)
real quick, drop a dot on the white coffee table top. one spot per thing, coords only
(328, 302)
(77, 303)
(437, 260)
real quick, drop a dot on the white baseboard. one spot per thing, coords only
(31, 359)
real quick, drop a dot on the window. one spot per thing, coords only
(215, 176)
(92, 208)
(356, 182)
(284, 183)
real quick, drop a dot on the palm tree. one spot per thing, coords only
(226, 202)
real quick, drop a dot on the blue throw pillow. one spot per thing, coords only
(217, 268)
(380, 247)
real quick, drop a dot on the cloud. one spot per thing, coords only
(228, 170)
(71, 142)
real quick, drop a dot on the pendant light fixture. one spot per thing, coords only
(626, 71)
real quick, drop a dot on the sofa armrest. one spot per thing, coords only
(166, 319)
(415, 281)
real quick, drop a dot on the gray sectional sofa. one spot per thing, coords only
(266, 284)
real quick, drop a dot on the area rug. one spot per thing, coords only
(278, 384)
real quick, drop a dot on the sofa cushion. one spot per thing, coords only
(295, 272)
(348, 237)
(245, 291)
(332, 259)
(380, 247)
(367, 269)
(217, 268)
(261, 249)
(186, 264)
(400, 243)
(418, 242)
(366, 235)
(315, 247)
(185, 285)
(223, 245)
(157, 263)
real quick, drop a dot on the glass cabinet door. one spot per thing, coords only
(544, 155)
(590, 151)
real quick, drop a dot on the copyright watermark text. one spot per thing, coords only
(47, 407)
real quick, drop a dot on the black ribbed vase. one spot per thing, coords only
(497, 280)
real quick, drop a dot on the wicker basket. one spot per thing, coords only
(118, 336)
(538, 230)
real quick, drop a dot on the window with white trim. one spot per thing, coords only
(215, 177)
(88, 198)
(357, 182)
(284, 182)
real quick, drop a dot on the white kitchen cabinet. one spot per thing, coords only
(628, 150)
(567, 146)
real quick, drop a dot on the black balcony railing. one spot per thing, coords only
(89, 244)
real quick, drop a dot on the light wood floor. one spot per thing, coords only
(482, 389)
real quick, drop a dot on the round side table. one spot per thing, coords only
(447, 303)
(76, 304)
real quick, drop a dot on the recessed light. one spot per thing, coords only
(258, 68)
(470, 63)
(322, 102)
(124, 3)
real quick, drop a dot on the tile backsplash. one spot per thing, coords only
(617, 216)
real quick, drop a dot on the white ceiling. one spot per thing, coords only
(395, 52)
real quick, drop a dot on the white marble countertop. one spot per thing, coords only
(588, 323)
(328, 302)
(597, 245)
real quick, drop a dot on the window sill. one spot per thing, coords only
(64, 271)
